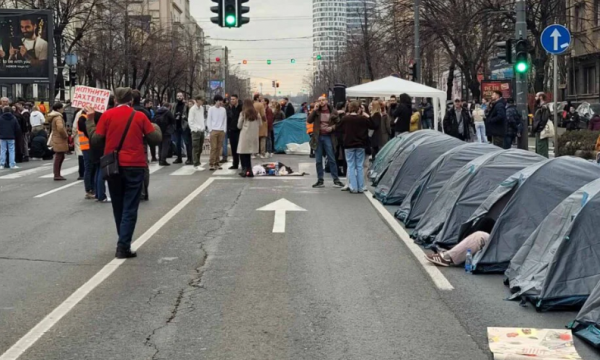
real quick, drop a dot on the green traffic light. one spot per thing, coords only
(319, 57)
(522, 67)
(293, 61)
(230, 20)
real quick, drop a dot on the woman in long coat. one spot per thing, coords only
(249, 123)
(59, 138)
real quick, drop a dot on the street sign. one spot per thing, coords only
(556, 39)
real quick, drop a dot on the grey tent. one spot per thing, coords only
(402, 154)
(532, 202)
(587, 322)
(435, 177)
(494, 204)
(559, 265)
(465, 191)
(384, 157)
(404, 140)
(425, 153)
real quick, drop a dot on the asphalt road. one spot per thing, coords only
(212, 280)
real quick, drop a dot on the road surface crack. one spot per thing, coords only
(43, 260)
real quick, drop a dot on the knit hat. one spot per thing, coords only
(123, 95)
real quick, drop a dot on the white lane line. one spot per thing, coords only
(19, 348)
(436, 275)
(58, 189)
(225, 171)
(20, 174)
(306, 168)
(154, 168)
(186, 170)
(63, 172)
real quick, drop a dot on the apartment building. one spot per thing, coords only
(584, 63)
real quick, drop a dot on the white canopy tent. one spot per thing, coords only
(391, 85)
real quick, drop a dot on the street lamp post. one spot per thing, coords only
(417, 63)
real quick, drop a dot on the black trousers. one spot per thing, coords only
(164, 147)
(234, 139)
(125, 191)
(153, 152)
(246, 162)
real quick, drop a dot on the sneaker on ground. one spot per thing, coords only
(346, 188)
(319, 184)
(15, 167)
(338, 183)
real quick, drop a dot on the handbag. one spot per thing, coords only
(548, 131)
(49, 142)
(109, 163)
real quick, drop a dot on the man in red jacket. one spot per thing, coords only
(126, 189)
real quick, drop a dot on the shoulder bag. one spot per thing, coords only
(110, 163)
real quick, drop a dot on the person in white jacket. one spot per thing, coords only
(197, 125)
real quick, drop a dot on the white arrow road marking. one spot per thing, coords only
(280, 207)
(555, 35)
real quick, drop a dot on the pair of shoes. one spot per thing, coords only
(211, 168)
(219, 167)
(233, 168)
(164, 163)
(90, 196)
(189, 162)
(438, 259)
(319, 184)
(80, 178)
(59, 178)
(15, 167)
(125, 254)
(312, 156)
(223, 161)
(154, 160)
(178, 161)
(338, 183)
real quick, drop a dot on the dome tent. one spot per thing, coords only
(290, 131)
(406, 140)
(557, 267)
(466, 190)
(492, 207)
(402, 154)
(425, 152)
(424, 190)
(383, 157)
(534, 200)
(587, 322)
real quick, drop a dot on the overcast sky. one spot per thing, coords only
(269, 19)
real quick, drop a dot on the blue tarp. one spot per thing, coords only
(290, 130)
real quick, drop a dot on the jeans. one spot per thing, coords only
(88, 172)
(508, 141)
(183, 136)
(427, 123)
(126, 191)
(197, 144)
(480, 132)
(270, 143)
(225, 147)
(234, 139)
(100, 186)
(355, 159)
(325, 145)
(8, 145)
(81, 163)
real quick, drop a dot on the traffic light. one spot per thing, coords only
(230, 13)
(505, 50)
(217, 59)
(413, 71)
(268, 62)
(522, 58)
(219, 11)
(241, 20)
(245, 62)
(319, 57)
(277, 84)
(293, 61)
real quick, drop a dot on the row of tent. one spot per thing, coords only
(540, 214)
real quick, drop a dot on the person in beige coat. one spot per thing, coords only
(59, 138)
(262, 112)
(249, 123)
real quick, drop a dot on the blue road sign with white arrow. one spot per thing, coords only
(556, 39)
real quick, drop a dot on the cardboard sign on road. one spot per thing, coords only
(89, 96)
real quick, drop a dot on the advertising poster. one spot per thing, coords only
(25, 50)
(489, 86)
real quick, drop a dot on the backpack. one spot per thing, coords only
(160, 120)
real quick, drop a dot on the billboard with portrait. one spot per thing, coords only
(26, 51)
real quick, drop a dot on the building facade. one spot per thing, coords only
(356, 11)
(584, 64)
(329, 28)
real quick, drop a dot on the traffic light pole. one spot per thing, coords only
(417, 63)
(521, 78)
